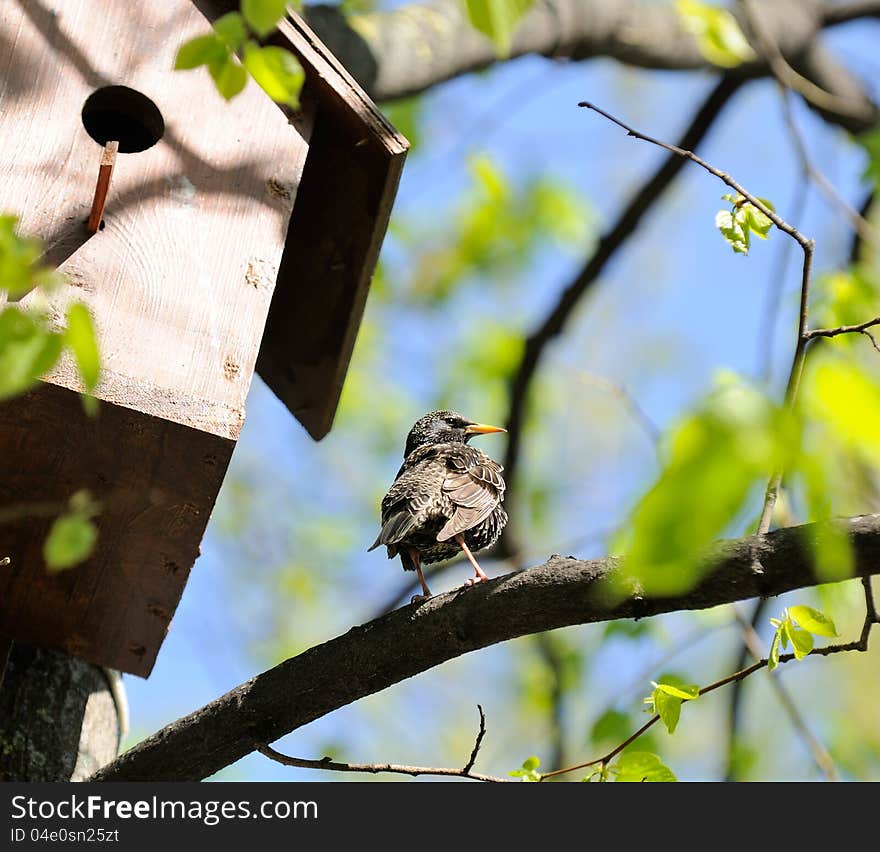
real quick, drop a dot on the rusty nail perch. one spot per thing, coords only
(105, 171)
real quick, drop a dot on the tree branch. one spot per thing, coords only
(415, 638)
(406, 50)
(398, 768)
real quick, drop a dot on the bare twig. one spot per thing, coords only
(479, 741)
(859, 328)
(861, 644)
(398, 768)
(639, 415)
(857, 221)
(624, 227)
(806, 245)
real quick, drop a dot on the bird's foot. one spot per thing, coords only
(418, 598)
(472, 581)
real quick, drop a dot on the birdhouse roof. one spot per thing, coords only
(336, 229)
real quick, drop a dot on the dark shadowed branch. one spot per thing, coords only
(415, 638)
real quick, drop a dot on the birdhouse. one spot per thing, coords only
(233, 237)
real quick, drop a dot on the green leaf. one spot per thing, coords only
(719, 37)
(813, 620)
(80, 337)
(773, 656)
(801, 641)
(28, 350)
(732, 230)
(231, 30)
(870, 141)
(277, 71)
(18, 259)
(687, 692)
(714, 458)
(667, 707)
(202, 50)
(229, 76)
(612, 725)
(743, 219)
(71, 540)
(529, 770)
(497, 19)
(263, 15)
(642, 766)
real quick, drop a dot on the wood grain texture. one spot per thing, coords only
(339, 221)
(181, 277)
(156, 482)
(338, 224)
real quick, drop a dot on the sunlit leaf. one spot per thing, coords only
(229, 76)
(715, 457)
(529, 770)
(201, 50)
(612, 726)
(801, 641)
(719, 37)
(813, 620)
(263, 15)
(28, 350)
(231, 30)
(641, 766)
(18, 259)
(80, 337)
(773, 656)
(497, 19)
(70, 541)
(686, 693)
(277, 71)
(668, 708)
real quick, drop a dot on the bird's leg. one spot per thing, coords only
(426, 592)
(481, 575)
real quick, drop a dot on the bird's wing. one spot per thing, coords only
(475, 487)
(410, 496)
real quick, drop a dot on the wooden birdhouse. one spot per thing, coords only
(234, 238)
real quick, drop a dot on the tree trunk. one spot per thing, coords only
(58, 717)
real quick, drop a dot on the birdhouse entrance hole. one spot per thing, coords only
(125, 115)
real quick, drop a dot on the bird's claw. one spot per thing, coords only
(418, 598)
(472, 581)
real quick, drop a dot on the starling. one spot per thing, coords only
(446, 497)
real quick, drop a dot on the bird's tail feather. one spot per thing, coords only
(394, 529)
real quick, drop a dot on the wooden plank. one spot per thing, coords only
(339, 221)
(181, 276)
(156, 481)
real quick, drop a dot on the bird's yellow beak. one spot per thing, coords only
(482, 429)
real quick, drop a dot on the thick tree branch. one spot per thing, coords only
(408, 49)
(410, 640)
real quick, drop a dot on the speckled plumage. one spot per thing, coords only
(444, 488)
